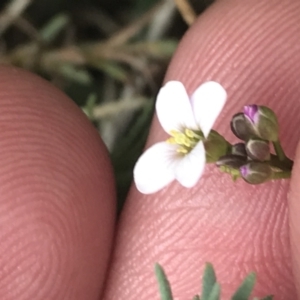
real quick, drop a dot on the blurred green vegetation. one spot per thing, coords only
(109, 56)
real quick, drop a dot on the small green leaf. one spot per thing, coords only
(111, 69)
(215, 292)
(245, 289)
(270, 297)
(162, 49)
(208, 281)
(54, 27)
(163, 283)
(74, 74)
(196, 297)
(88, 109)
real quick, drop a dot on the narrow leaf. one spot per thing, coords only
(158, 50)
(54, 27)
(245, 289)
(208, 281)
(270, 297)
(196, 297)
(215, 292)
(111, 69)
(163, 283)
(74, 74)
(88, 109)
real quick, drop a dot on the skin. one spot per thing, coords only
(56, 194)
(57, 210)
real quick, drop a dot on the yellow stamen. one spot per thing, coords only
(187, 143)
(189, 133)
(182, 150)
(171, 140)
(186, 140)
(192, 134)
(174, 133)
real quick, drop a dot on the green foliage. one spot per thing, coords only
(265, 298)
(245, 289)
(99, 52)
(163, 283)
(131, 143)
(211, 289)
(56, 24)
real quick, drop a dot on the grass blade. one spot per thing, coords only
(163, 283)
(208, 281)
(245, 289)
(215, 292)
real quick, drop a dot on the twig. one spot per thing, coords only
(186, 11)
(25, 26)
(100, 19)
(162, 21)
(116, 107)
(12, 11)
(133, 28)
(78, 55)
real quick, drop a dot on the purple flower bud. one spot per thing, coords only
(256, 172)
(242, 127)
(263, 120)
(250, 112)
(244, 171)
(239, 149)
(258, 149)
(232, 161)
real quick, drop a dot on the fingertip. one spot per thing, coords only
(250, 48)
(57, 194)
(294, 219)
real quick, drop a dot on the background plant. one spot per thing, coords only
(211, 289)
(108, 56)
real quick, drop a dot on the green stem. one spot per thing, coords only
(279, 151)
(281, 175)
(285, 165)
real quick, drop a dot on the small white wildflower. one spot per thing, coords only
(188, 121)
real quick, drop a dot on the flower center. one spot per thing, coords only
(186, 140)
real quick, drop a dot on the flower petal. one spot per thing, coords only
(173, 108)
(208, 101)
(191, 167)
(155, 168)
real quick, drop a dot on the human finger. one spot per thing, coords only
(57, 194)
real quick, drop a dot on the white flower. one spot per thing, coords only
(188, 121)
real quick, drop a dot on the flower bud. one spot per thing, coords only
(239, 149)
(258, 149)
(232, 161)
(251, 112)
(256, 172)
(264, 121)
(242, 127)
(215, 147)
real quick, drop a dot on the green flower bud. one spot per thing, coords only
(264, 121)
(232, 161)
(258, 149)
(256, 172)
(242, 127)
(215, 147)
(239, 149)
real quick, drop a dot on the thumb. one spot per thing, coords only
(294, 219)
(252, 49)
